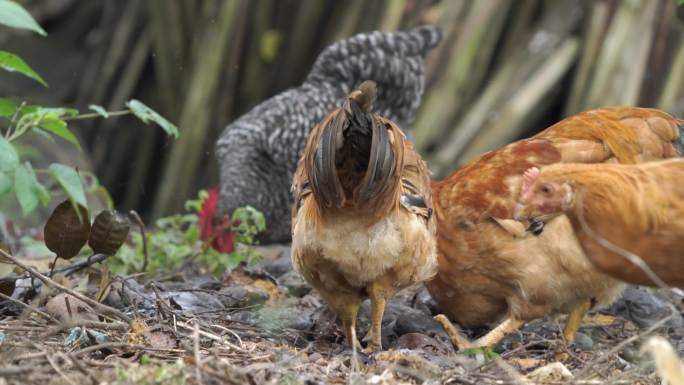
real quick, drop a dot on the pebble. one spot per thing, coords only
(294, 283)
(279, 266)
(583, 342)
(315, 357)
(644, 308)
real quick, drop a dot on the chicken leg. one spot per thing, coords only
(346, 305)
(349, 324)
(489, 340)
(574, 319)
(378, 299)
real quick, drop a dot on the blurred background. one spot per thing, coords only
(505, 70)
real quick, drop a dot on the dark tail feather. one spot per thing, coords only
(380, 164)
(679, 143)
(381, 159)
(324, 181)
(353, 126)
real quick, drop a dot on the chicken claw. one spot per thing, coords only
(489, 340)
(456, 336)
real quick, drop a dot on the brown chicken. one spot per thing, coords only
(617, 211)
(490, 267)
(362, 223)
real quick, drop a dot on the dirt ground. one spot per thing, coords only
(264, 325)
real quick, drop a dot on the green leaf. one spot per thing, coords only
(680, 2)
(43, 134)
(59, 128)
(11, 63)
(28, 190)
(5, 184)
(54, 112)
(146, 114)
(68, 179)
(7, 106)
(8, 155)
(100, 110)
(14, 15)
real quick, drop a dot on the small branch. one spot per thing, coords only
(53, 265)
(622, 344)
(141, 225)
(8, 371)
(196, 351)
(97, 115)
(58, 370)
(47, 281)
(30, 307)
(76, 267)
(211, 336)
(117, 326)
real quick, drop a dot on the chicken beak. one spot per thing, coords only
(520, 212)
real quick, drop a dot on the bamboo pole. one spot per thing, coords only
(169, 50)
(622, 62)
(253, 87)
(593, 38)
(181, 166)
(672, 97)
(557, 23)
(519, 110)
(301, 42)
(391, 19)
(475, 43)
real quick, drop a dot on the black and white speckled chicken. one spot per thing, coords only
(258, 152)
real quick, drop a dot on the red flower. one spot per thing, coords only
(222, 239)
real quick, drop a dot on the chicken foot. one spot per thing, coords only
(574, 320)
(489, 340)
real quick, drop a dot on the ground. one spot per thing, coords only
(264, 325)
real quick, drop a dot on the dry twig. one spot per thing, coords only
(51, 283)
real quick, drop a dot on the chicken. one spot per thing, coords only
(258, 152)
(616, 210)
(490, 268)
(362, 222)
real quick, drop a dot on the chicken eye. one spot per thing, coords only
(547, 189)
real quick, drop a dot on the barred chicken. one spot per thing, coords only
(362, 224)
(258, 152)
(492, 269)
(618, 212)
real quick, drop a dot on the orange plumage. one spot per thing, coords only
(637, 209)
(362, 224)
(490, 268)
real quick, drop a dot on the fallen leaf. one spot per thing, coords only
(158, 338)
(553, 372)
(135, 332)
(599, 320)
(76, 309)
(525, 363)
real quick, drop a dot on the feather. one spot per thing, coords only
(258, 153)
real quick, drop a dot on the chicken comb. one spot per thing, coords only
(529, 177)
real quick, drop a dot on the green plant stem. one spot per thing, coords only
(21, 130)
(97, 115)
